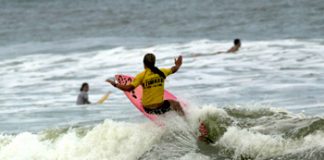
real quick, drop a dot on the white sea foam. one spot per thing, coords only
(110, 140)
(177, 139)
(39, 92)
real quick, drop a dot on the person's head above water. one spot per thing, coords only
(237, 42)
(236, 47)
(84, 87)
(149, 62)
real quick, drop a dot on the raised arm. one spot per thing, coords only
(128, 87)
(177, 64)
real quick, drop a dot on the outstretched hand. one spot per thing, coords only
(178, 61)
(120, 86)
(112, 82)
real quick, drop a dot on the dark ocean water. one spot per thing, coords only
(30, 21)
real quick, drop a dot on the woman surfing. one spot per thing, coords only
(152, 81)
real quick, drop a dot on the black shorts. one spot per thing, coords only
(165, 107)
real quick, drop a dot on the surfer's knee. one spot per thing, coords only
(175, 105)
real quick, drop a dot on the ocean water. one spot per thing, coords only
(269, 96)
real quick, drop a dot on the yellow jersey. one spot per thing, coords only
(153, 86)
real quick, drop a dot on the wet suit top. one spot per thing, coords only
(83, 98)
(153, 86)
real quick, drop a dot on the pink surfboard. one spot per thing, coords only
(135, 96)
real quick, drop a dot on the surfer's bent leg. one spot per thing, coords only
(175, 105)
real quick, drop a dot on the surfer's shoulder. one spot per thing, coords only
(166, 71)
(141, 73)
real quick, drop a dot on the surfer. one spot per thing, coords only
(236, 47)
(233, 49)
(83, 96)
(152, 80)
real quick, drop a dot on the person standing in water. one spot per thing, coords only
(83, 96)
(152, 80)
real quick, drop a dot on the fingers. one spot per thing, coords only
(110, 80)
(180, 58)
(176, 60)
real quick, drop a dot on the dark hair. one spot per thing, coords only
(149, 62)
(237, 41)
(83, 85)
